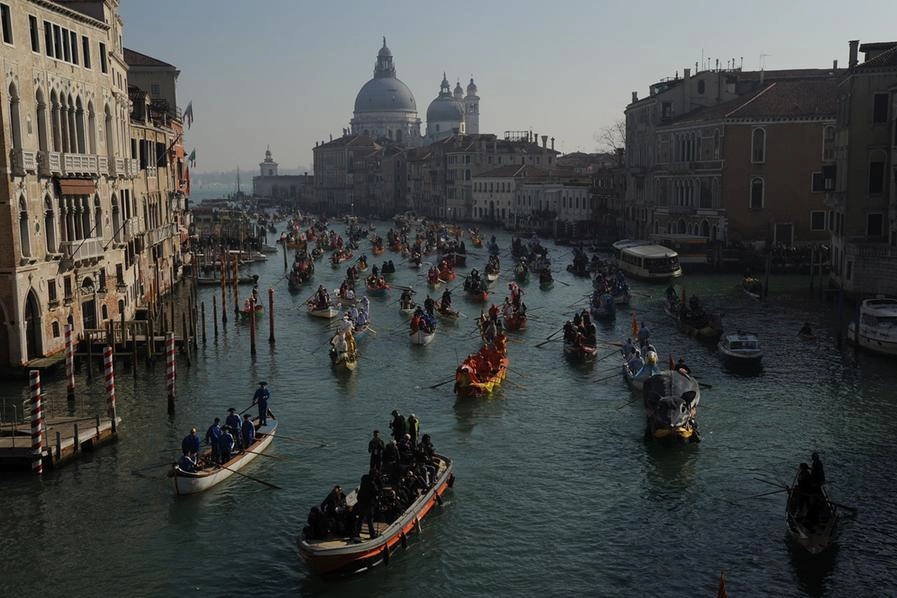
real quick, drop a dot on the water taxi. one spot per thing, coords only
(644, 259)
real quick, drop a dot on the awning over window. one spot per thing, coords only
(77, 186)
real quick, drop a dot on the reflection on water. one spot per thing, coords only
(812, 571)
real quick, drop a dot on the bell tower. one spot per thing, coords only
(268, 166)
(472, 109)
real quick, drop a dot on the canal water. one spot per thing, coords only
(556, 491)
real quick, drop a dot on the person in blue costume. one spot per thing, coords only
(261, 397)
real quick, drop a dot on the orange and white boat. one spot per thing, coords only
(333, 554)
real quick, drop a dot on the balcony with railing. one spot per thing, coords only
(49, 163)
(23, 162)
(79, 164)
(118, 167)
(133, 167)
(103, 165)
(161, 233)
(82, 249)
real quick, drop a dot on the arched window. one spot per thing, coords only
(97, 218)
(79, 128)
(682, 227)
(42, 140)
(758, 145)
(758, 191)
(116, 220)
(705, 228)
(14, 122)
(50, 225)
(55, 129)
(91, 129)
(110, 144)
(24, 229)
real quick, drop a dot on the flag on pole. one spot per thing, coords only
(192, 158)
(188, 114)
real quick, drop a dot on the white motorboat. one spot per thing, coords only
(741, 347)
(878, 326)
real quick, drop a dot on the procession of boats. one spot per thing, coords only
(670, 397)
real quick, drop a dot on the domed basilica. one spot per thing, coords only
(385, 108)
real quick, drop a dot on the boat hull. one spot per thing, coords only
(580, 352)
(327, 313)
(194, 482)
(466, 388)
(422, 338)
(871, 343)
(333, 558)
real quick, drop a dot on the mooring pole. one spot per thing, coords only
(37, 421)
(202, 311)
(215, 314)
(252, 324)
(69, 363)
(170, 369)
(109, 375)
(271, 314)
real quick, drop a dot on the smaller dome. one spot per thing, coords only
(459, 92)
(445, 109)
(471, 88)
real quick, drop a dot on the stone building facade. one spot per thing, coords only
(73, 236)
(863, 190)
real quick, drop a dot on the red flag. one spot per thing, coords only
(721, 591)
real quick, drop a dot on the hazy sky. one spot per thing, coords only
(286, 72)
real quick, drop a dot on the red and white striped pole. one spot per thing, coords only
(69, 363)
(170, 368)
(37, 423)
(109, 375)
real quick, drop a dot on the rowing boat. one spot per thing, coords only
(191, 482)
(579, 351)
(811, 517)
(327, 312)
(671, 401)
(469, 381)
(516, 321)
(332, 555)
(420, 337)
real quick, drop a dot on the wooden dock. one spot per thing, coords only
(65, 439)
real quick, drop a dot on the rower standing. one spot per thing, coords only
(248, 431)
(234, 424)
(375, 448)
(261, 397)
(190, 444)
(213, 436)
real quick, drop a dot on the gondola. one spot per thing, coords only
(811, 518)
(191, 482)
(335, 554)
(579, 351)
(752, 287)
(671, 401)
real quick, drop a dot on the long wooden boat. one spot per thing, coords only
(191, 482)
(515, 321)
(752, 287)
(328, 312)
(422, 338)
(377, 291)
(347, 364)
(709, 328)
(334, 555)
(671, 401)
(408, 309)
(446, 314)
(468, 384)
(579, 351)
(811, 518)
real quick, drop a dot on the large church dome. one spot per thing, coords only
(384, 94)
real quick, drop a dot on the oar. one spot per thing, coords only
(776, 484)
(302, 440)
(764, 494)
(438, 384)
(561, 281)
(614, 352)
(248, 408)
(551, 340)
(253, 478)
(616, 375)
(630, 402)
(840, 506)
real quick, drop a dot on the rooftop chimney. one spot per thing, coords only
(634, 97)
(552, 144)
(854, 46)
(686, 73)
(835, 65)
(544, 141)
